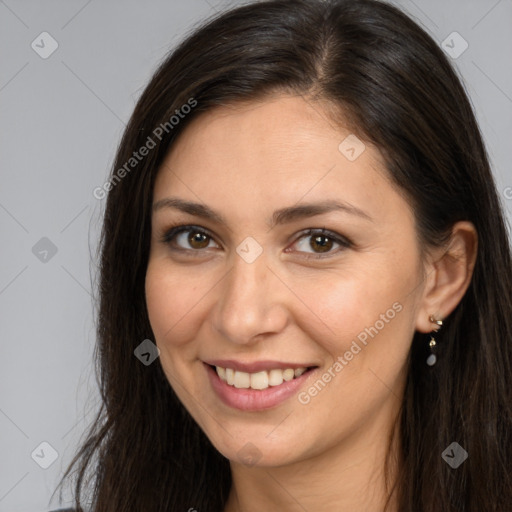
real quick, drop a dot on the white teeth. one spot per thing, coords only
(288, 374)
(258, 380)
(275, 377)
(221, 372)
(242, 380)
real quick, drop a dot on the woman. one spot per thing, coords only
(305, 295)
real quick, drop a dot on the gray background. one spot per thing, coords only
(61, 119)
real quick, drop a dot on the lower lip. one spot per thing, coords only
(247, 399)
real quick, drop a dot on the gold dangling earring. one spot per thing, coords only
(432, 358)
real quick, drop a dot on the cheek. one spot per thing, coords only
(371, 302)
(172, 299)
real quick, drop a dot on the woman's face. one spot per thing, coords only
(245, 286)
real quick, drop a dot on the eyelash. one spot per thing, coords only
(172, 232)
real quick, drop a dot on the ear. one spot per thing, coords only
(448, 275)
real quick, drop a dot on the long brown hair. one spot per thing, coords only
(395, 89)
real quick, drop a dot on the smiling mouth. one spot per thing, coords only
(259, 380)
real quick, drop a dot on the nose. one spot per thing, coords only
(252, 302)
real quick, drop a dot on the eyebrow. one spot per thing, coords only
(281, 216)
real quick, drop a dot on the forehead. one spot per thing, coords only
(281, 124)
(283, 149)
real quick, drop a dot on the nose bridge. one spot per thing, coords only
(249, 304)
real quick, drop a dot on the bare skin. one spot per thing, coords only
(304, 299)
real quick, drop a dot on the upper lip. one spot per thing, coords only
(256, 366)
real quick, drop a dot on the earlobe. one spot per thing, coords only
(449, 276)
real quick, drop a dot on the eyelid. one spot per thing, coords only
(171, 232)
(341, 240)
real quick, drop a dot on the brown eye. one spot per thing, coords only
(187, 238)
(198, 240)
(321, 243)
